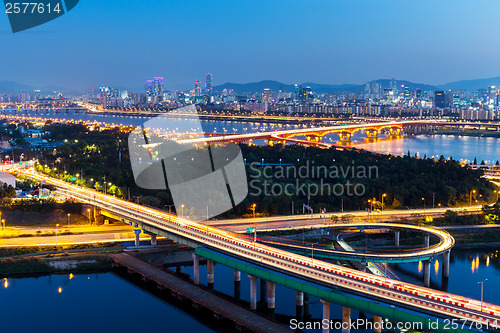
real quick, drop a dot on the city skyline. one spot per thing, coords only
(341, 43)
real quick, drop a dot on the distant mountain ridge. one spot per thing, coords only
(254, 87)
(471, 84)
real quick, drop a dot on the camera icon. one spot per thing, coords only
(171, 152)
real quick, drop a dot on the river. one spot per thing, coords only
(457, 147)
(104, 302)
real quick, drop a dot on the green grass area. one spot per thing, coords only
(42, 265)
(27, 250)
(487, 236)
(19, 218)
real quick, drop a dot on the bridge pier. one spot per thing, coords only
(345, 136)
(253, 292)
(271, 297)
(237, 284)
(306, 306)
(426, 241)
(427, 273)
(346, 319)
(446, 264)
(377, 324)
(137, 232)
(326, 316)
(196, 269)
(210, 274)
(396, 238)
(154, 241)
(263, 291)
(299, 305)
(371, 133)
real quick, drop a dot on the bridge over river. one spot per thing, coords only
(379, 296)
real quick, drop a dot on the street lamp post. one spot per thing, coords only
(69, 229)
(57, 226)
(253, 209)
(482, 288)
(470, 197)
(383, 196)
(90, 220)
(423, 200)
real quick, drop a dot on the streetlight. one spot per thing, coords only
(423, 200)
(383, 196)
(253, 209)
(57, 226)
(482, 288)
(69, 229)
(90, 220)
(470, 197)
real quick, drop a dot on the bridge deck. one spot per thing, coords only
(237, 314)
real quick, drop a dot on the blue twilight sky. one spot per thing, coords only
(123, 43)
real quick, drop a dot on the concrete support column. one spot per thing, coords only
(346, 319)
(253, 292)
(427, 241)
(237, 284)
(137, 232)
(154, 242)
(446, 264)
(377, 324)
(210, 273)
(196, 269)
(427, 273)
(263, 290)
(271, 295)
(306, 305)
(299, 298)
(326, 315)
(299, 305)
(396, 238)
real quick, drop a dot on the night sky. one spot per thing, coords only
(123, 43)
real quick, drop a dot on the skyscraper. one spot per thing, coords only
(154, 90)
(298, 87)
(439, 99)
(267, 95)
(158, 88)
(148, 86)
(208, 87)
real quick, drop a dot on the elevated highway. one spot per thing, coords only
(445, 244)
(332, 283)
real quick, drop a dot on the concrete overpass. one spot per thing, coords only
(350, 288)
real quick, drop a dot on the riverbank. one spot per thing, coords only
(60, 263)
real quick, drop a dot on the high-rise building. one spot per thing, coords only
(298, 87)
(148, 86)
(418, 93)
(158, 88)
(305, 94)
(406, 92)
(439, 99)
(154, 90)
(208, 87)
(267, 95)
